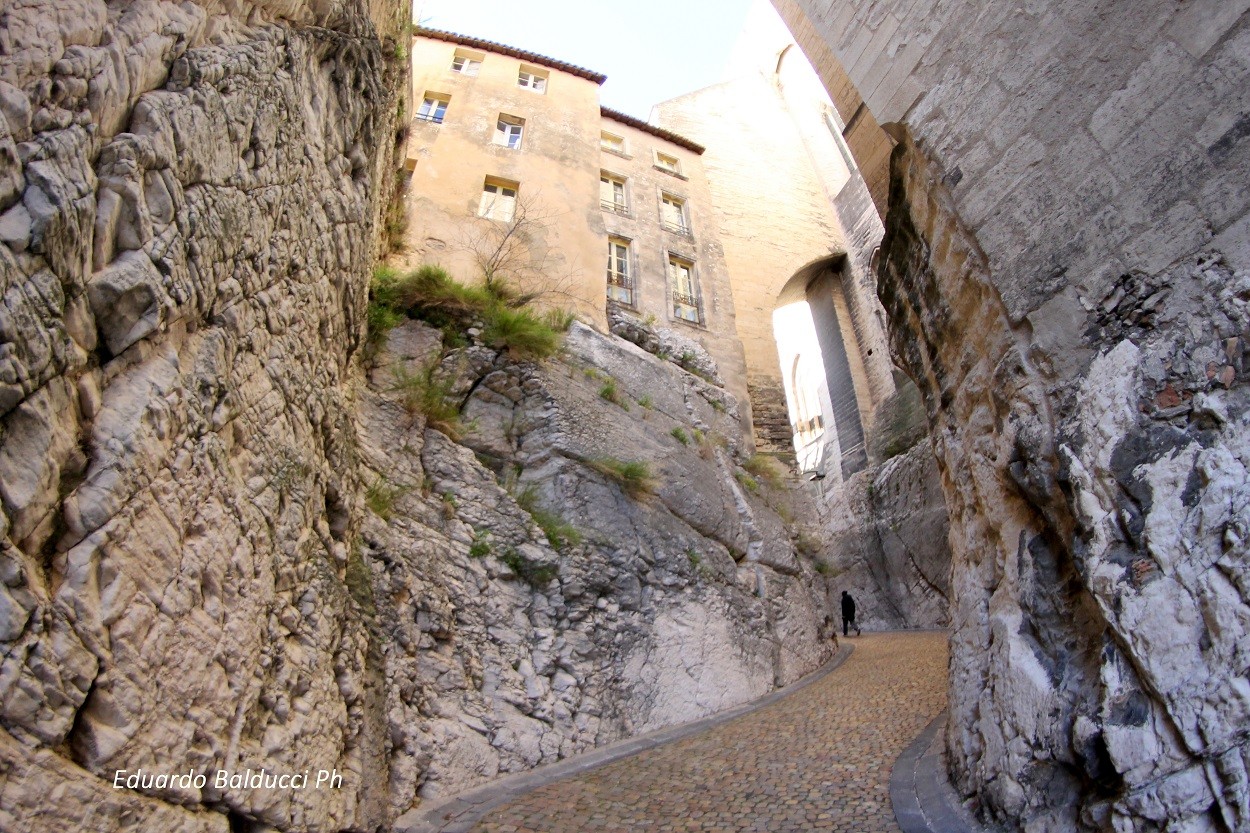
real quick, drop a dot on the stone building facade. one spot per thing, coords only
(618, 212)
(798, 241)
(1066, 269)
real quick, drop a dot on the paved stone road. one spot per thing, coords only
(817, 760)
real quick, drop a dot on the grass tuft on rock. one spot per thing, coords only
(633, 476)
(523, 334)
(479, 547)
(532, 573)
(611, 394)
(560, 533)
(380, 497)
(765, 468)
(430, 397)
(431, 295)
(748, 482)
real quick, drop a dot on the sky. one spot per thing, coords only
(651, 50)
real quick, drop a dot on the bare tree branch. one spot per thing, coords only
(515, 258)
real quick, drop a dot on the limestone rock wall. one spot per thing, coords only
(504, 649)
(188, 197)
(1066, 274)
(883, 537)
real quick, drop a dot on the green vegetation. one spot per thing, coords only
(359, 581)
(431, 295)
(381, 320)
(479, 547)
(645, 401)
(380, 497)
(632, 476)
(560, 533)
(748, 482)
(765, 468)
(592, 373)
(809, 545)
(680, 436)
(695, 558)
(519, 331)
(531, 572)
(430, 397)
(717, 406)
(610, 393)
(559, 319)
(823, 568)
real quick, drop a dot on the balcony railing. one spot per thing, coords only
(687, 308)
(616, 207)
(676, 228)
(437, 118)
(620, 287)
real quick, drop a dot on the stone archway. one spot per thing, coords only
(822, 370)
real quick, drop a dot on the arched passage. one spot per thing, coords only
(822, 370)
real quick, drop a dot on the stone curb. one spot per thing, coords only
(461, 813)
(923, 799)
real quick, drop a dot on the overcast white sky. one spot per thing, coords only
(651, 50)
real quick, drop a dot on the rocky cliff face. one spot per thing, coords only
(507, 647)
(188, 201)
(1097, 469)
(883, 537)
(196, 570)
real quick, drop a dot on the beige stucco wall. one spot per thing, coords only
(867, 141)
(651, 244)
(790, 203)
(557, 167)
(768, 233)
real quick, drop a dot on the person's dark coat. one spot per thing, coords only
(848, 607)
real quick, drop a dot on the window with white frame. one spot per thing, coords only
(466, 62)
(532, 78)
(673, 214)
(612, 142)
(667, 163)
(612, 193)
(433, 108)
(508, 131)
(620, 281)
(685, 294)
(498, 199)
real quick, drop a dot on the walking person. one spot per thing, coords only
(848, 614)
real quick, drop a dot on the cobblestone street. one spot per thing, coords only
(817, 760)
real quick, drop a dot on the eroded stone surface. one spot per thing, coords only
(883, 535)
(1095, 464)
(188, 197)
(505, 652)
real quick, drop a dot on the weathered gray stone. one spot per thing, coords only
(179, 504)
(524, 650)
(1064, 245)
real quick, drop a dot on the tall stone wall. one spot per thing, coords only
(767, 237)
(188, 202)
(1066, 270)
(864, 137)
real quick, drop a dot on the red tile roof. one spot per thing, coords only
(491, 46)
(617, 115)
